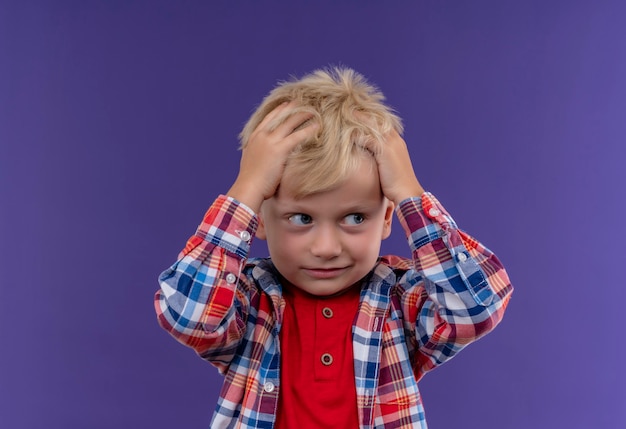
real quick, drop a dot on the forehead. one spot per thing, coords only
(360, 189)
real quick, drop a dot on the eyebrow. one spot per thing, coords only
(296, 207)
(360, 208)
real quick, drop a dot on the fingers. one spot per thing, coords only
(285, 119)
(273, 114)
(265, 155)
(306, 132)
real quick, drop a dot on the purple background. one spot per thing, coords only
(118, 124)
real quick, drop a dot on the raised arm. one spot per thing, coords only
(459, 289)
(204, 297)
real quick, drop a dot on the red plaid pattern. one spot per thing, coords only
(413, 315)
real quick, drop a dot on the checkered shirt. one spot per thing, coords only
(413, 315)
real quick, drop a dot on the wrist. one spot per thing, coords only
(414, 191)
(247, 196)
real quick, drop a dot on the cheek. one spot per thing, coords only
(366, 246)
(284, 246)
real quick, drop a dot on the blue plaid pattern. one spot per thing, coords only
(414, 314)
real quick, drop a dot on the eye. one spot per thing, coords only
(355, 219)
(300, 219)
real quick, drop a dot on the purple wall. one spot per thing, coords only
(118, 124)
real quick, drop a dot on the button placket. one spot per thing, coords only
(325, 351)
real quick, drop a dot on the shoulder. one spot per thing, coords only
(262, 273)
(396, 263)
(396, 266)
(262, 264)
(396, 272)
(390, 270)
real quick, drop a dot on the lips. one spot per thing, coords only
(324, 273)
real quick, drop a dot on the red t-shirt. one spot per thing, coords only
(317, 363)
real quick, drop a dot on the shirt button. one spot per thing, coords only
(244, 235)
(462, 257)
(269, 387)
(327, 359)
(433, 212)
(230, 278)
(327, 312)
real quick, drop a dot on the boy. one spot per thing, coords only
(325, 333)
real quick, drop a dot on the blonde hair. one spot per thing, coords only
(351, 114)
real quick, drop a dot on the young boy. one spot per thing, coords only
(325, 333)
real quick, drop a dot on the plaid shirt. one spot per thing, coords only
(413, 315)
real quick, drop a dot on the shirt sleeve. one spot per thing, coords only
(202, 300)
(459, 289)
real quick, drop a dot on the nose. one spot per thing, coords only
(326, 242)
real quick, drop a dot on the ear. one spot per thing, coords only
(260, 231)
(388, 219)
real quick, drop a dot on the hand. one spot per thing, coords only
(397, 177)
(264, 157)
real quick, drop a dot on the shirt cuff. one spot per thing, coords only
(229, 224)
(424, 219)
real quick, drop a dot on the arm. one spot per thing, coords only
(195, 301)
(204, 297)
(459, 289)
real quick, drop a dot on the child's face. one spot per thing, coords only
(325, 242)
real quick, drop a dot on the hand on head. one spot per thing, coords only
(397, 176)
(264, 157)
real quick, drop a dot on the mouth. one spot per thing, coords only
(325, 273)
